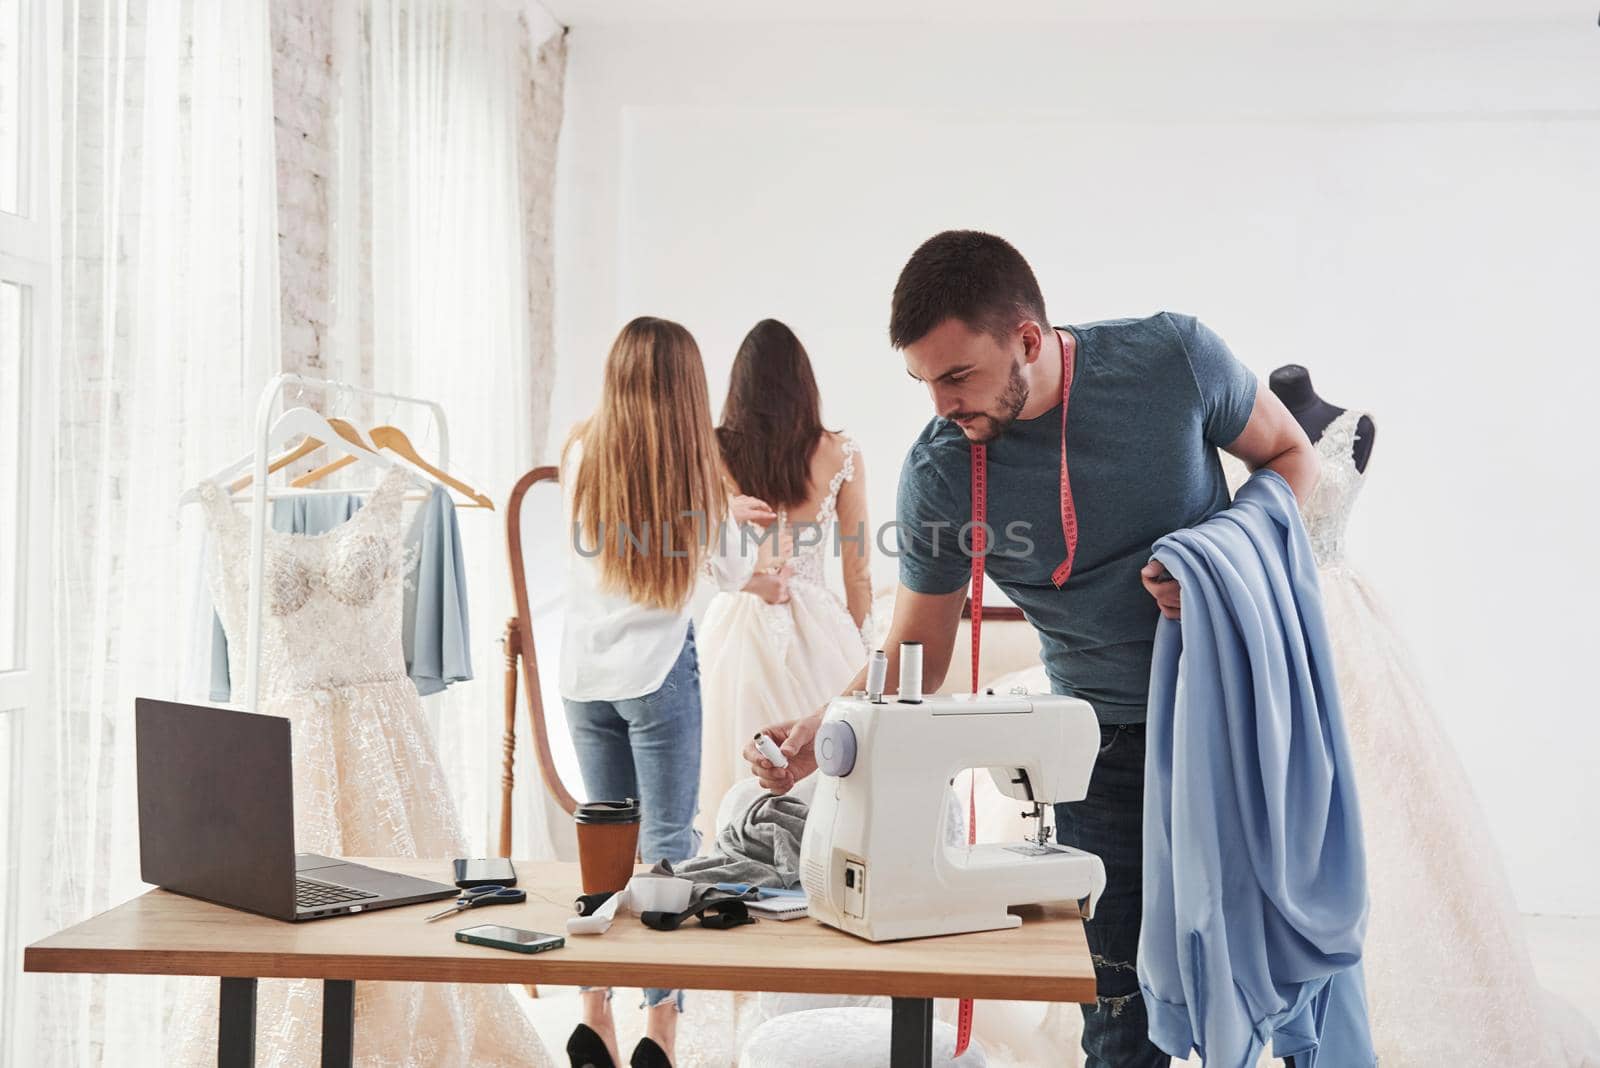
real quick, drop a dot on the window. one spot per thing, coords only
(26, 450)
(13, 474)
(13, 71)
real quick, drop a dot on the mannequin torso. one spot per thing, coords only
(1292, 384)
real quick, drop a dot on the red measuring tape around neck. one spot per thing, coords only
(980, 546)
(980, 512)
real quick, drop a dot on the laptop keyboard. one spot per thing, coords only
(308, 893)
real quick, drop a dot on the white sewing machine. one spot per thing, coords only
(875, 861)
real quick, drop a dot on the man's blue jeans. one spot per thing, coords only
(1109, 822)
(649, 748)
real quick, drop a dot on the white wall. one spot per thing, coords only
(1409, 210)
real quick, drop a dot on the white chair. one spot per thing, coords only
(843, 1037)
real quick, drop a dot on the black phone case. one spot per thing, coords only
(467, 884)
(478, 940)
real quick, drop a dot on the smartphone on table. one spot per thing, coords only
(485, 871)
(513, 938)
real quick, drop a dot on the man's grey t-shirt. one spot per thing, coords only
(1152, 400)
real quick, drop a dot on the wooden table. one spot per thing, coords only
(161, 933)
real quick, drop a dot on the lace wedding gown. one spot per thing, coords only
(367, 781)
(1449, 977)
(763, 663)
(1450, 983)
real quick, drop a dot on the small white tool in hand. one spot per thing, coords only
(769, 749)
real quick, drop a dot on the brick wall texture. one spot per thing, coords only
(305, 88)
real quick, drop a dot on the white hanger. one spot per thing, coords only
(301, 422)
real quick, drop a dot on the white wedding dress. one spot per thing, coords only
(1449, 976)
(763, 663)
(367, 781)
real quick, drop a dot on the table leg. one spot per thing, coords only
(911, 1033)
(338, 1022)
(236, 1024)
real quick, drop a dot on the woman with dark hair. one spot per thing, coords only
(766, 663)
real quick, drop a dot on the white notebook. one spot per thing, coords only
(778, 908)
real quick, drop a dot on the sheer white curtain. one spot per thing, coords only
(441, 290)
(168, 327)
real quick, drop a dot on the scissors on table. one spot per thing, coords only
(483, 895)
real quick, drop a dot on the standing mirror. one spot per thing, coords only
(536, 546)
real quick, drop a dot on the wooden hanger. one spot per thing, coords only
(394, 439)
(306, 447)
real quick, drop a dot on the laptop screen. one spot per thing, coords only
(216, 804)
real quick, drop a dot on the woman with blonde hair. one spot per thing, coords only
(648, 515)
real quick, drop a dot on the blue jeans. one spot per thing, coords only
(648, 747)
(1109, 822)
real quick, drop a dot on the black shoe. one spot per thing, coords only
(649, 1055)
(586, 1049)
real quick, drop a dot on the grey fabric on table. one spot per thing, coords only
(761, 844)
(761, 847)
(434, 632)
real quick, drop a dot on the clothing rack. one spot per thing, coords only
(267, 409)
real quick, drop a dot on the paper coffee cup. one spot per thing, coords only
(608, 844)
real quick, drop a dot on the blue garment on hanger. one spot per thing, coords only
(438, 643)
(1255, 891)
(434, 630)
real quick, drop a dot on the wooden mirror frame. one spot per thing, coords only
(518, 641)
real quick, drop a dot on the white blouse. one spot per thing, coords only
(612, 647)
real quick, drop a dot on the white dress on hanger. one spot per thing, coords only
(367, 781)
(763, 663)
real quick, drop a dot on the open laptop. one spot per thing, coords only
(216, 820)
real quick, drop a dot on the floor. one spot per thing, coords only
(1565, 950)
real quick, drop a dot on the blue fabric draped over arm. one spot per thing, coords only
(1254, 871)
